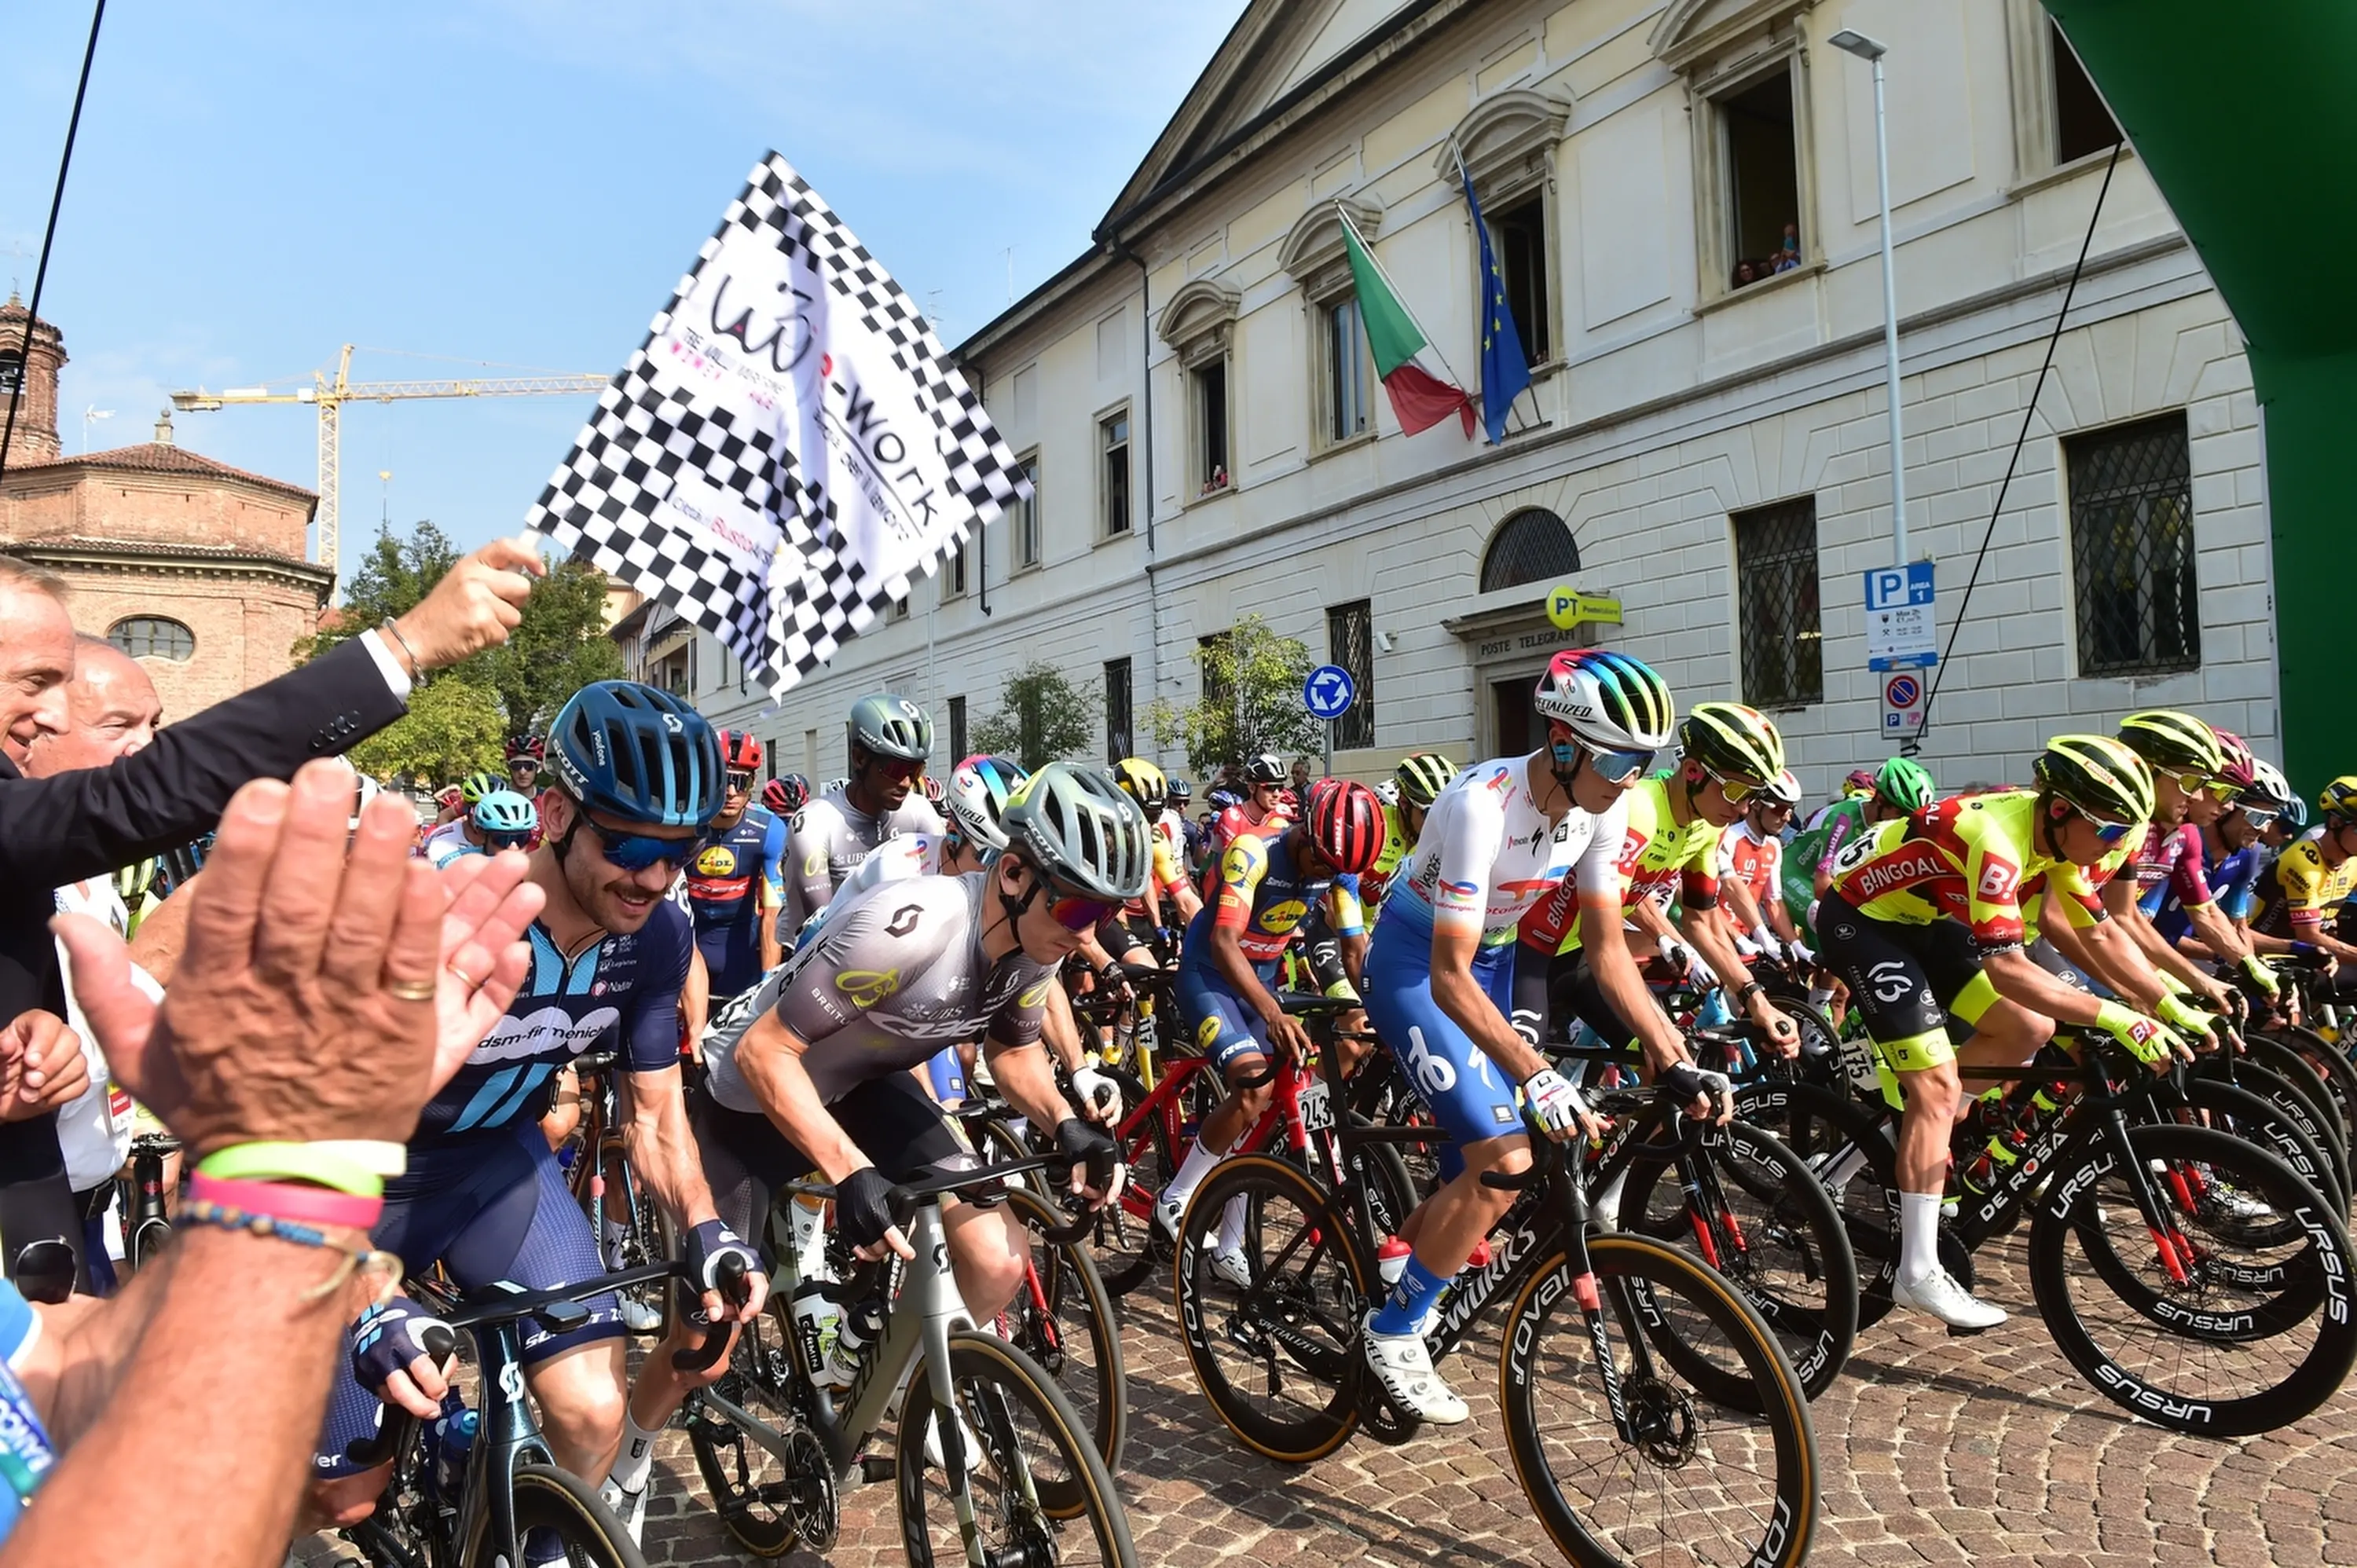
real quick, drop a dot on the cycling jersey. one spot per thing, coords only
(30, 1452)
(1658, 859)
(1489, 856)
(1967, 859)
(725, 899)
(1169, 869)
(445, 843)
(1756, 863)
(2170, 859)
(829, 840)
(2230, 876)
(2295, 896)
(886, 982)
(1260, 892)
(1376, 880)
(1242, 818)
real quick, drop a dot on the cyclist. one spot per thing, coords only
(1264, 804)
(452, 829)
(1170, 898)
(501, 820)
(2190, 790)
(1187, 834)
(1440, 971)
(1265, 882)
(732, 882)
(2232, 854)
(1899, 788)
(525, 754)
(2310, 879)
(1750, 868)
(1927, 918)
(1727, 753)
(786, 795)
(889, 740)
(812, 1072)
(1407, 795)
(483, 1193)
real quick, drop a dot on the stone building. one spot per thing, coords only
(195, 568)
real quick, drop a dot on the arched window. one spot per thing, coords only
(153, 637)
(1531, 546)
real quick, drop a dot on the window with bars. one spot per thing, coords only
(1777, 605)
(957, 729)
(1116, 705)
(1351, 643)
(1531, 546)
(2132, 548)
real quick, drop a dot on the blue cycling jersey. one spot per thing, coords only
(2233, 883)
(725, 880)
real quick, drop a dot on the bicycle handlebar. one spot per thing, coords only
(906, 1198)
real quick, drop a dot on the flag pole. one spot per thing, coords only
(1343, 213)
(1465, 175)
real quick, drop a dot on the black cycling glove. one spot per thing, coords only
(1079, 1141)
(863, 1207)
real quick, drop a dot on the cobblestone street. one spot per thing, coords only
(1934, 1450)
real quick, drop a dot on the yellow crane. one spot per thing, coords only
(331, 396)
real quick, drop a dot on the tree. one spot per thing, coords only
(388, 583)
(452, 728)
(1042, 717)
(1251, 681)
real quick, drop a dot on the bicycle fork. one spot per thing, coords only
(2175, 1251)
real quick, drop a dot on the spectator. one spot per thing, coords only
(84, 824)
(1302, 769)
(323, 1002)
(1745, 272)
(1788, 254)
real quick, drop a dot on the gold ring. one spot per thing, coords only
(411, 990)
(468, 981)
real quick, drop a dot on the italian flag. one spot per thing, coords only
(1422, 394)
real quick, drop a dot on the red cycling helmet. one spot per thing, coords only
(773, 796)
(1346, 823)
(523, 745)
(739, 752)
(2241, 766)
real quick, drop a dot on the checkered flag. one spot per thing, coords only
(787, 447)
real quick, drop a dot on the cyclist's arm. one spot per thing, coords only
(768, 896)
(1615, 969)
(1346, 917)
(2119, 895)
(1454, 944)
(1743, 912)
(1241, 866)
(1060, 1029)
(656, 1136)
(810, 884)
(770, 1059)
(695, 995)
(2217, 932)
(2100, 951)
(1017, 1065)
(2018, 978)
(1838, 831)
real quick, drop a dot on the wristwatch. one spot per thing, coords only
(1750, 988)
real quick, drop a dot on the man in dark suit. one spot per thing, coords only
(61, 829)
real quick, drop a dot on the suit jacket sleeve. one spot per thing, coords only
(61, 829)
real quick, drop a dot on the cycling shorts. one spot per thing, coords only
(1572, 992)
(1217, 1020)
(1468, 1095)
(1906, 981)
(500, 1213)
(747, 1159)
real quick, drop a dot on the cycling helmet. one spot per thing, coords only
(979, 789)
(887, 725)
(2098, 775)
(476, 785)
(2270, 792)
(1422, 776)
(2241, 767)
(2338, 799)
(1074, 824)
(1265, 768)
(934, 794)
(637, 753)
(1732, 740)
(1220, 800)
(1611, 702)
(1387, 791)
(739, 751)
(1783, 790)
(1289, 803)
(526, 745)
(834, 786)
(1346, 823)
(774, 796)
(2173, 742)
(449, 796)
(787, 795)
(505, 812)
(1181, 791)
(1903, 782)
(1859, 781)
(1143, 782)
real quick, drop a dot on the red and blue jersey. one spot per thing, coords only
(724, 895)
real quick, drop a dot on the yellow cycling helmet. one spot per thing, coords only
(2098, 777)
(1422, 777)
(1142, 782)
(2174, 743)
(1732, 740)
(2338, 798)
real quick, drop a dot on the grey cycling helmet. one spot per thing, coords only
(887, 725)
(1082, 830)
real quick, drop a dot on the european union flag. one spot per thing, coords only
(1505, 371)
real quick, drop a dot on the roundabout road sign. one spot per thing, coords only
(1328, 691)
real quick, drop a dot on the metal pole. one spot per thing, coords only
(1330, 749)
(1890, 331)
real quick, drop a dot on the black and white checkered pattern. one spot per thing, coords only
(793, 612)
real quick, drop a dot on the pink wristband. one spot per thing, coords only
(286, 1200)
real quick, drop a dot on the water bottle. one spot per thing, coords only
(861, 1325)
(818, 1323)
(2001, 1153)
(1391, 1260)
(453, 1438)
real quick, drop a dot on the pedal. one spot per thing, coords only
(875, 1467)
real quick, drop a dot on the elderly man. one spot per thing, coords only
(112, 711)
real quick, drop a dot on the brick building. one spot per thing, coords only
(195, 568)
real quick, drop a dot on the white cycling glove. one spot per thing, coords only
(1554, 1100)
(1102, 1094)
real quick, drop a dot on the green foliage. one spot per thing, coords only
(1042, 717)
(1251, 681)
(453, 728)
(559, 647)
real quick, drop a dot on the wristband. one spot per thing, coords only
(381, 1156)
(1750, 989)
(202, 1212)
(282, 1200)
(320, 1165)
(2303, 949)
(392, 631)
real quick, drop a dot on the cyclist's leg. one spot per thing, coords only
(1236, 1042)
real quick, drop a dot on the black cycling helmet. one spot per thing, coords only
(1265, 768)
(637, 753)
(887, 725)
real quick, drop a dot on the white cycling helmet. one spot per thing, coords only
(979, 789)
(1609, 702)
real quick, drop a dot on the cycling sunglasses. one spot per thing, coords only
(894, 767)
(1737, 790)
(740, 783)
(1076, 912)
(498, 841)
(2111, 833)
(636, 851)
(1612, 767)
(2259, 817)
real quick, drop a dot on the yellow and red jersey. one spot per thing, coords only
(1970, 858)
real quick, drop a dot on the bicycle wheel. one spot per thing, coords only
(547, 1498)
(2317, 1070)
(1064, 1318)
(1779, 1240)
(1388, 1191)
(768, 1507)
(1279, 1359)
(2257, 1335)
(1039, 1491)
(1697, 1481)
(2246, 1109)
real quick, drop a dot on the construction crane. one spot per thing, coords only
(330, 397)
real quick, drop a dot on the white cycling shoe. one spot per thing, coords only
(1944, 1299)
(971, 1443)
(640, 1317)
(1233, 1267)
(629, 1507)
(1404, 1366)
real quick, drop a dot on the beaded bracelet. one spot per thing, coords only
(204, 1212)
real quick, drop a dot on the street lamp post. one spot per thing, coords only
(1849, 40)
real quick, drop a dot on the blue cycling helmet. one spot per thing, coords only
(637, 753)
(505, 812)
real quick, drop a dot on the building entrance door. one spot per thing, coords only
(1510, 716)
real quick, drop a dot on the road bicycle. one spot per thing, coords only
(150, 1220)
(1616, 1355)
(631, 1228)
(1019, 1483)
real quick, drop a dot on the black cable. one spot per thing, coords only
(1914, 743)
(49, 238)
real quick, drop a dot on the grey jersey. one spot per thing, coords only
(831, 837)
(894, 975)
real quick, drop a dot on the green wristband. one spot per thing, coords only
(320, 1165)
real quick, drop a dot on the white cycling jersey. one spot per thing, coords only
(1487, 852)
(830, 838)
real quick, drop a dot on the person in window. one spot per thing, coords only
(1788, 255)
(1745, 272)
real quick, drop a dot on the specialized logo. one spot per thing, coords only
(867, 987)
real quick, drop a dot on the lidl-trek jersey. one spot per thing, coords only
(724, 879)
(1260, 892)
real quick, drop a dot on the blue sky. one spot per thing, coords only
(522, 182)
